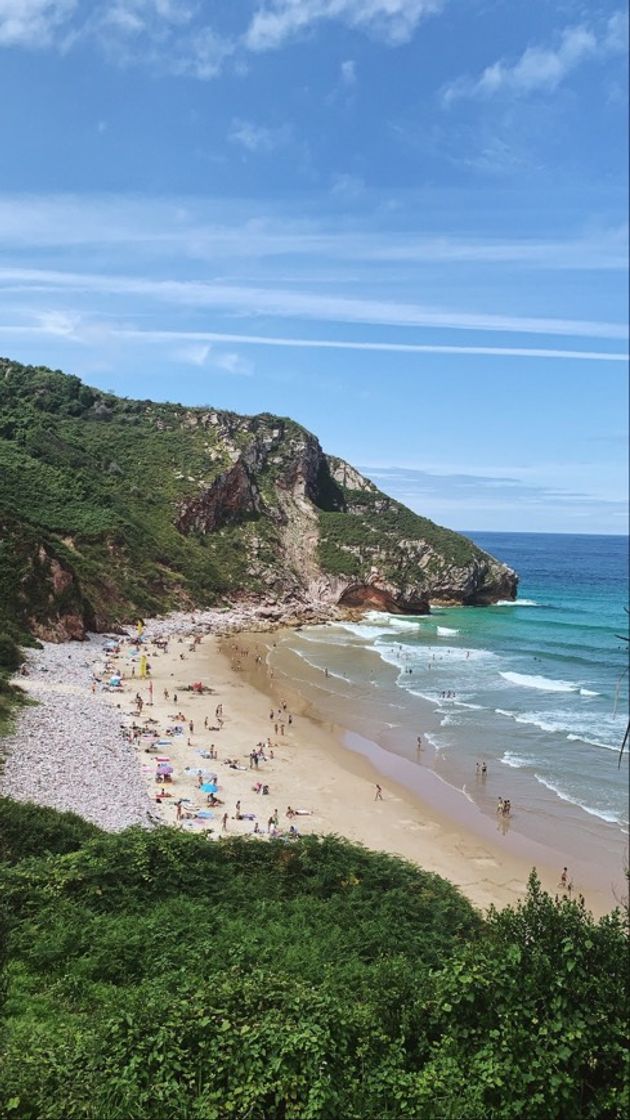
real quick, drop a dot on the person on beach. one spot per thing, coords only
(564, 878)
(484, 770)
(378, 796)
(500, 805)
(224, 820)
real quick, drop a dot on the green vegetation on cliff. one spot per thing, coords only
(155, 974)
(110, 508)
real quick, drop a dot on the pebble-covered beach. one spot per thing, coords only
(68, 750)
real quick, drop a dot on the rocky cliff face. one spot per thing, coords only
(114, 508)
(377, 562)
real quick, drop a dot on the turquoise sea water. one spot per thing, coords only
(535, 688)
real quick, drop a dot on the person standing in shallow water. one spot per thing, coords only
(378, 796)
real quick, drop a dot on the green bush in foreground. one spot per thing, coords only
(155, 975)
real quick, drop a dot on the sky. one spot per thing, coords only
(401, 222)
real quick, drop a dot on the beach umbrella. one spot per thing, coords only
(209, 787)
(164, 768)
(114, 681)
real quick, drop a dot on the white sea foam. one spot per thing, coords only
(446, 632)
(516, 603)
(433, 742)
(377, 624)
(588, 692)
(363, 630)
(545, 684)
(394, 622)
(603, 814)
(593, 742)
(514, 760)
(578, 728)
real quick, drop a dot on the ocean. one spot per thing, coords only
(536, 689)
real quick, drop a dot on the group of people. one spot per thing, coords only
(504, 806)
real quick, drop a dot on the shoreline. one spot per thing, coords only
(318, 764)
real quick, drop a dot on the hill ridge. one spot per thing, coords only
(111, 507)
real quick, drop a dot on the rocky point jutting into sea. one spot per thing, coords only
(113, 508)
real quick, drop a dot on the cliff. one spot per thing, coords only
(110, 508)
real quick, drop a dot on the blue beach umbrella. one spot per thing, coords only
(209, 787)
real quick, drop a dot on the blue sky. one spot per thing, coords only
(401, 222)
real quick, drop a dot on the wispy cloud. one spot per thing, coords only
(391, 21)
(464, 498)
(348, 71)
(176, 37)
(204, 354)
(199, 343)
(181, 228)
(291, 304)
(258, 138)
(544, 67)
(347, 186)
(169, 35)
(33, 23)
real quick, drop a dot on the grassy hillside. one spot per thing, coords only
(155, 974)
(110, 508)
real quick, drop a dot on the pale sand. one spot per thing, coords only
(313, 770)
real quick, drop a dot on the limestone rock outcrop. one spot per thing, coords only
(112, 509)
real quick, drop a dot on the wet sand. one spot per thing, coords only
(428, 820)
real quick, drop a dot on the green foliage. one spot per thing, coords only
(10, 656)
(31, 830)
(92, 487)
(373, 525)
(156, 974)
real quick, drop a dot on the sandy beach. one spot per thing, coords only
(324, 773)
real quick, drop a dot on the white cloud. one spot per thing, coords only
(544, 67)
(349, 72)
(201, 343)
(347, 186)
(195, 355)
(202, 55)
(289, 303)
(393, 21)
(231, 362)
(168, 35)
(201, 354)
(32, 23)
(258, 138)
(169, 228)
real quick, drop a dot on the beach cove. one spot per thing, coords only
(321, 766)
